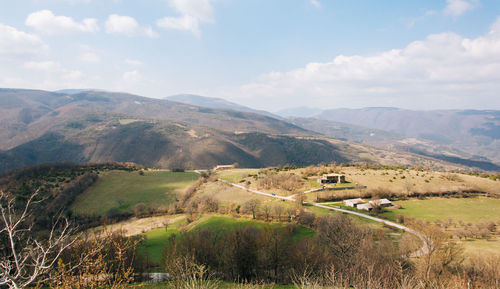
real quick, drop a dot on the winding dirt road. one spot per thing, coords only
(422, 251)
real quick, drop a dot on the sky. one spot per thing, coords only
(266, 54)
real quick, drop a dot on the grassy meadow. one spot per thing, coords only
(120, 191)
(467, 215)
(236, 175)
(155, 240)
(397, 180)
(457, 209)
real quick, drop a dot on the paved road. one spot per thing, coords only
(422, 251)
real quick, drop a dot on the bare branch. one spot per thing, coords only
(29, 258)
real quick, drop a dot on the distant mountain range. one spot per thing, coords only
(452, 135)
(302, 112)
(214, 102)
(465, 133)
(95, 126)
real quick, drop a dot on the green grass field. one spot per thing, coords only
(120, 191)
(157, 239)
(464, 209)
(235, 175)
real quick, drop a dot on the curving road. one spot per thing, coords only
(422, 251)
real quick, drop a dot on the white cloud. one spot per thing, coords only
(131, 77)
(444, 70)
(126, 25)
(121, 25)
(427, 13)
(185, 22)
(192, 13)
(46, 66)
(131, 81)
(89, 57)
(133, 62)
(51, 74)
(199, 9)
(46, 22)
(16, 42)
(149, 32)
(458, 7)
(315, 3)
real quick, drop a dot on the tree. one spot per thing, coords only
(278, 211)
(440, 252)
(299, 200)
(99, 261)
(25, 255)
(252, 206)
(266, 209)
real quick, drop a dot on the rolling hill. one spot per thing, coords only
(472, 133)
(98, 126)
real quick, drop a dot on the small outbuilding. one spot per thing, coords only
(353, 202)
(381, 203)
(331, 179)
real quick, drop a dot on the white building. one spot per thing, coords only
(353, 202)
(365, 207)
(381, 203)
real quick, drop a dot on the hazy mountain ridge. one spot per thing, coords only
(28, 114)
(98, 126)
(476, 132)
(218, 103)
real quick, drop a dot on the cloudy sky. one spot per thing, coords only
(267, 54)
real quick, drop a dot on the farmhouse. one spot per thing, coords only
(353, 202)
(332, 179)
(381, 203)
(224, 167)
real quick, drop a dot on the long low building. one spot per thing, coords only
(353, 202)
(364, 207)
(381, 203)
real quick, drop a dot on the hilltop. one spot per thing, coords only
(99, 126)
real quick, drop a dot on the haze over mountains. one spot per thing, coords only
(214, 102)
(449, 135)
(470, 133)
(95, 126)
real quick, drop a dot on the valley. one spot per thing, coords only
(143, 171)
(206, 144)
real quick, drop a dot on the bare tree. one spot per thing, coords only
(252, 206)
(441, 252)
(25, 256)
(278, 211)
(299, 199)
(267, 209)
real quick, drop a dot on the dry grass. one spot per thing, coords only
(134, 226)
(488, 247)
(226, 194)
(409, 180)
(399, 182)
